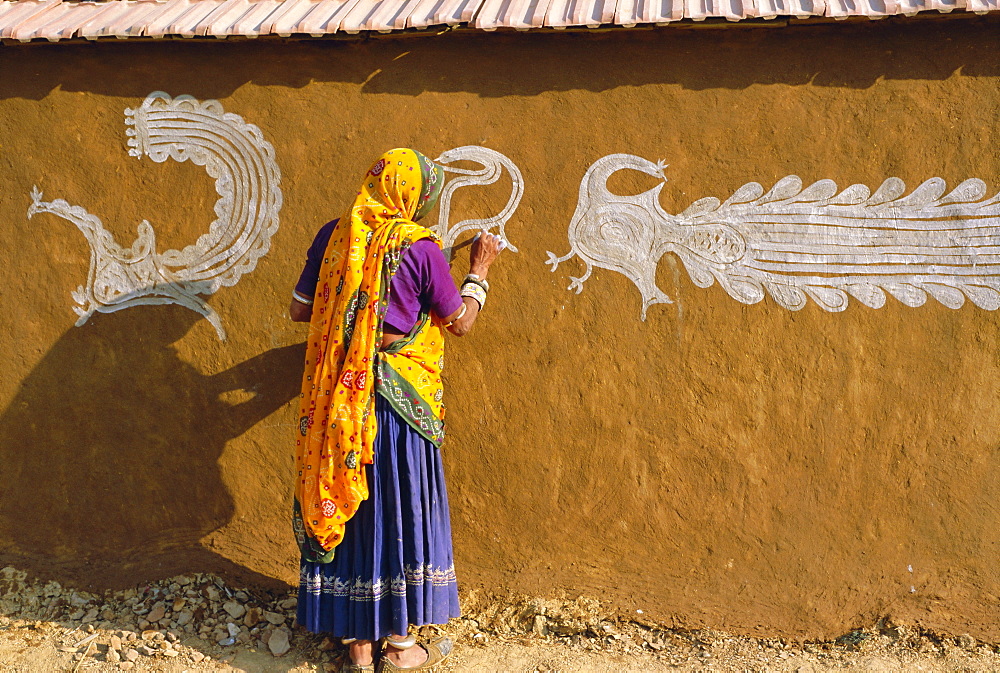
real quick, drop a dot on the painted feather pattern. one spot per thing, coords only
(796, 243)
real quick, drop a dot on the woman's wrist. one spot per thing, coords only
(478, 271)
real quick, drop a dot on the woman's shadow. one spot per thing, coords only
(109, 451)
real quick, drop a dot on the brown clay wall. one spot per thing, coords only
(737, 466)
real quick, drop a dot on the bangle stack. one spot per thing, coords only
(476, 288)
(475, 278)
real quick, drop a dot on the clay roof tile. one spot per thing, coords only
(55, 20)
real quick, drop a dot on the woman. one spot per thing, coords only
(371, 511)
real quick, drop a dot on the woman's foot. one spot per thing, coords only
(360, 652)
(419, 657)
(408, 658)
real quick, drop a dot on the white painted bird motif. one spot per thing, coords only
(492, 163)
(247, 180)
(627, 234)
(796, 243)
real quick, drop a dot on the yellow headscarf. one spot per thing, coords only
(337, 424)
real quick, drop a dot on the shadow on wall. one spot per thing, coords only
(109, 452)
(849, 55)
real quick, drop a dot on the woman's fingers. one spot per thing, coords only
(487, 243)
(485, 248)
(493, 242)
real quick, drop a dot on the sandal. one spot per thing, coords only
(350, 667)
(437, 652)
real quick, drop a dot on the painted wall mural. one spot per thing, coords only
(492, 163)
(797, 243)
(247, 180)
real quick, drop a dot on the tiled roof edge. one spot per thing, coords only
(23, 21)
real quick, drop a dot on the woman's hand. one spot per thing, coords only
(485, 248)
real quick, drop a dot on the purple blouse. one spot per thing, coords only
(422, 282)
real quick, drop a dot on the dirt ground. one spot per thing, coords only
(39, 648)
(175, 626)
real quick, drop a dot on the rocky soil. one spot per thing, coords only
(198, 623)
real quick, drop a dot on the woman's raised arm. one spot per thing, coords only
(485, 249)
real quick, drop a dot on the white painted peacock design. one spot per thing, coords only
(247, 180)
(492, 163)
(796, 243)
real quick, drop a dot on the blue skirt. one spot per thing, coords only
(394, 566)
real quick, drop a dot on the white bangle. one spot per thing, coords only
(458, 317)
(404, 644)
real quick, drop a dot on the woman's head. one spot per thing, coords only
(401, 184)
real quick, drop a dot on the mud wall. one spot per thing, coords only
(744, 467)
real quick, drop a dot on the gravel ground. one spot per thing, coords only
(198, 623)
